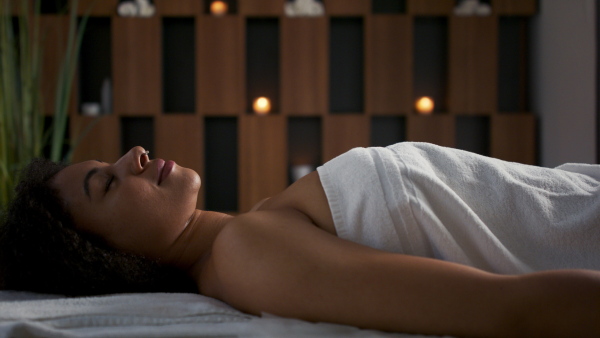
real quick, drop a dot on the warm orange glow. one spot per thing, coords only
(425, 105)
(218, 8)
(262, 105)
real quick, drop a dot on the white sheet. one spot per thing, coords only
(150, 315)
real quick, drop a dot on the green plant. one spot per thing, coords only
(22, 135)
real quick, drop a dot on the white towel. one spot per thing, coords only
(24, 314)
(425, 200)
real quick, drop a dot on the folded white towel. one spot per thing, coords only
(425, 200)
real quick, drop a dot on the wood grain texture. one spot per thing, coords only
(515, 7)
(304, 66)
(388, 65)
(437, 129)
(473, 69)
(263, 160)
(347, 7)
(181, 140)
(514, 138)
(99, 138)
(261, 7)
(431, 7)
(178, 7)
(97, 7)
(220, 65)
(136, 66)
(342, 132)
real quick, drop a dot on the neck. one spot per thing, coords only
(191, 249)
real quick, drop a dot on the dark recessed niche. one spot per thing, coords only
(388, 6)
(179, 85)
(304, 143)
(220, 173)
(137, 131)
(53, 6)
(473, 134)
(262, 61)
(387, 130)
(430, 60)
(95, 64)
(512, 64)
(231, 6)
(346, 65)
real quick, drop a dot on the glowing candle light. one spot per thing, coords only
(218, 8)
(425, 105)
(261, 105)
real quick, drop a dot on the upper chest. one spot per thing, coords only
(306, 196)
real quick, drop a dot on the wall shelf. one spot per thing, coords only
(183, 82)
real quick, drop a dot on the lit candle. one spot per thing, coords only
(424, 105)
(218, 8)
(262, 105)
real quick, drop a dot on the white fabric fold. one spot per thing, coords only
(425, 200)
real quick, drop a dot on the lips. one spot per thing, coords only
(164, 169)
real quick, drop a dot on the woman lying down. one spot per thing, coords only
(410, 238)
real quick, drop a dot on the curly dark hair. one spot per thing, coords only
(41, 251)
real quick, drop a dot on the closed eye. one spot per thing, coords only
(108, 183)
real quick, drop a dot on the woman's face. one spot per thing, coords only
(136, 204)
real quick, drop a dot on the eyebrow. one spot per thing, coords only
(86, 180)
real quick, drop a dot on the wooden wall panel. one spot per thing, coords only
(472, 86)
(514, 138)
(343, 132)
(515, 7)
(220, 65)
(178, 7)
(181, 140)
(438, 129)
(388, 64)
(54, 30)
(263, 161)
(97, 7)
(261, 7)
(99, 138)
(347, 7)
(304, 66)
(136, 65)
(431, 7)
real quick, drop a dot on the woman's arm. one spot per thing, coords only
(267, 262)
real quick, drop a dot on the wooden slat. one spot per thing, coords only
(347, 7)
(437, 129)
(304, 66)
(263, 162)
(513, 138)
(388, 64)
(473, 71)
(54, 30)
(97, 7)
(178, 7)
(515, 7)
(220, 65)
(342, 132)
(261, 7)
(137, 65)
(431, 7)
(99, 138)
(180, 138)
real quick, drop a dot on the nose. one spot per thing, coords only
(132, 163)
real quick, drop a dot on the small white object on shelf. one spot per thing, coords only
(90, 109)
(136, 8)
(304, 8)
(301, 170)
(472, 7)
